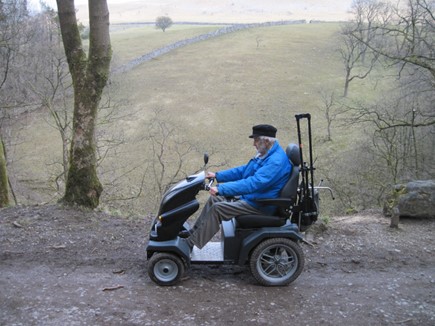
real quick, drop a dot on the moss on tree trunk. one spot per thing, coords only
(4, 194)
(83, 186)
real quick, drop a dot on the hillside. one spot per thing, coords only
(210, 93)
(207, 95)
(62, 266)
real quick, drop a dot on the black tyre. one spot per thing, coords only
(165, 268)
(277, 262)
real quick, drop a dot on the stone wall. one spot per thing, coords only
(221, 31)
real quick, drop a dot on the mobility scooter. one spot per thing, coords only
(269, 245)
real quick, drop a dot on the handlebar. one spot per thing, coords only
(303, 116)
(210, 184)
(326, 188)
(320, 187)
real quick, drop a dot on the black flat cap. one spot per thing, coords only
(263, 130)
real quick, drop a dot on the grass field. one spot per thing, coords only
(219, 88)
(131, 43)
(253, 75)
(211, 92)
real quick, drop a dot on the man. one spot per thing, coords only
(262, 177)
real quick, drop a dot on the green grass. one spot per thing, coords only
(227, 84)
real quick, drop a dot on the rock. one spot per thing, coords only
(414, 199)
(316, 230)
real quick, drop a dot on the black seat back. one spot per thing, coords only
(290, 189)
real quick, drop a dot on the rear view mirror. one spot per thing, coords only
(205, 158)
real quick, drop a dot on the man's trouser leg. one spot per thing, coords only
(216, 210)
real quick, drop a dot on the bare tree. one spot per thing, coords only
(53, 87)
(329, 102)
(169, 153)
(366, 14)
(356, 34)
(405, 38)
(59, 108)
(258, 40)
(90, 74)
(55, 91)
(163, 22)
(353, 57)
(401, 123)
(401, 143)
(14, 35)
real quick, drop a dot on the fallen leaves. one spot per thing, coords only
(113, 288)
(16, 224)
(119, 272)
(58, 247)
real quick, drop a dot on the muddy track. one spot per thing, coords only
(61, 266)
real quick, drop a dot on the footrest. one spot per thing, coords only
(211, 252)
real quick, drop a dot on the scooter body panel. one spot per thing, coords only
(177, 205)
(183, 192)
(253, 238)
(238, 243)
(176, 246)
(168, 225)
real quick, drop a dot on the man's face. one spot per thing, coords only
(260, 145)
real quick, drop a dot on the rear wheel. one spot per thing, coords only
(165, 268)
(277, 261)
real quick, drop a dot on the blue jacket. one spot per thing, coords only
(259, 178)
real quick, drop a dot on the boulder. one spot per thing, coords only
(414, 199)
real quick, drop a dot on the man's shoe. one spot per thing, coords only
(184, 234)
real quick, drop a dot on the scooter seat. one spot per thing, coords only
(259, 221)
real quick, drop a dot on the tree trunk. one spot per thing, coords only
(346, 83)
(89, 76)
(4, 194)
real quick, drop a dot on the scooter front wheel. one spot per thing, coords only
(277, 261)
(165, 268)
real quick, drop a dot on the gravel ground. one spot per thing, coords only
(62, 266)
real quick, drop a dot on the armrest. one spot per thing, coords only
(280, 202)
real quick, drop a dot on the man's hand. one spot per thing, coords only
(210, 175)
(213, 191)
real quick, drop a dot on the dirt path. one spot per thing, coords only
(66, 267)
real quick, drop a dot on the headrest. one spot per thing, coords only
(293, 154)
